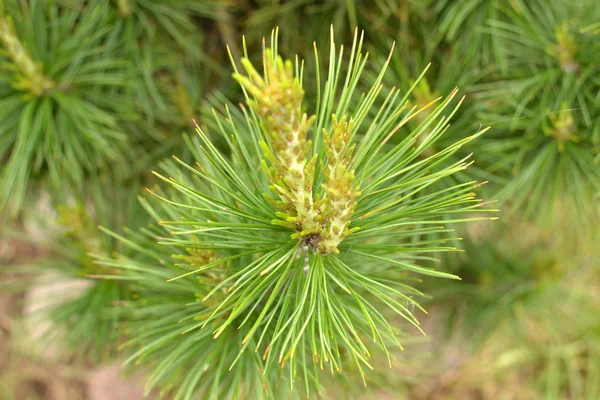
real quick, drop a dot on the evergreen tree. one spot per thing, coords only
(303, 261)
(314, 198)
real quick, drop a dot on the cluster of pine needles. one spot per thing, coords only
(301, 199)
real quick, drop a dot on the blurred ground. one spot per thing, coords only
(27, 375)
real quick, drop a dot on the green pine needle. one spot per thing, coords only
(295, 304)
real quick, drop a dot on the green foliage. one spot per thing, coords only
(163, 321)
(165, 48)
(299, 304)
(93, 88)
(296, 16)
(460, 24)
(69, 124)
(293, 233)
(84, 325)
(545, 108)
(531, 306)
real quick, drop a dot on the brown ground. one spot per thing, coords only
(27, 375)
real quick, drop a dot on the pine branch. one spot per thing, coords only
(61, 115)
(306, 299)
(545, 137)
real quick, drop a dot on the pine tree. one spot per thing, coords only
(300, 263)
(83, 324)
(94, 86)
(545, 137)
(290, 246)
(60, 92)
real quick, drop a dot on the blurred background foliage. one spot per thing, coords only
(95, 93)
